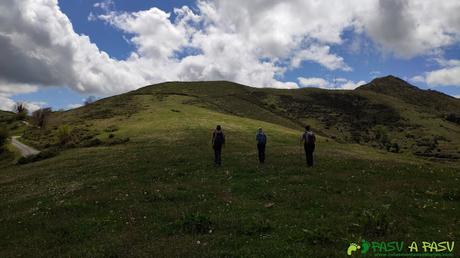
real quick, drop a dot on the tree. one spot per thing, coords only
(21, 110)
(40, 117)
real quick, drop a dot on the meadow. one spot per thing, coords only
(157, 193)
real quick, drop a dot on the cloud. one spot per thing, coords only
(6, 103)
(339, 83)
(409, 28)
(321, 55)
(72, 106)
(250, 42)
(7, 90)
(447, 75)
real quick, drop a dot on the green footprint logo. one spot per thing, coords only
(366, 245)
(352, 248)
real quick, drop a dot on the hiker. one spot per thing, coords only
(218, 140)
(261, 140)
(308, 139)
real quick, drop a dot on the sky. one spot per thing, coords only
(58, 53)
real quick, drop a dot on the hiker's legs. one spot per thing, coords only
(306, 153)
(217, 155)
(263, 153)
(261, 149)
(309, 151)
(309, 158)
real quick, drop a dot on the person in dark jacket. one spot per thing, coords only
(218, 140)
(261, 140)
(309, 139)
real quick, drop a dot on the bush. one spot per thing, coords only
(3, 138)
(111, 129)
(40, 117)
(91, 143)
(64, 135)
(116, 141)
(454, 118)
(375, 223)
(46, 154)
(394, 147)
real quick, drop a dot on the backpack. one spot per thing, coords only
(219, 138)
(309, 138)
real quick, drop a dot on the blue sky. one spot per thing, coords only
(101, 48)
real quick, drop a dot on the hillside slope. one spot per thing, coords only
(136, 178)
(387, 113)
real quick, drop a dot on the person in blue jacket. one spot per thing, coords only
(218, 140)
(261, 140)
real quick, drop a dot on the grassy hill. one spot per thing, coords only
(136, 178)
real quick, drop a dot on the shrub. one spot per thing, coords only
(3, 138)
(116, 141)
(111, 129)
(46, 154)
(395, 147)
(40, 116)
(375, 223)
(454, 118)
(64, 135)
(91, 143)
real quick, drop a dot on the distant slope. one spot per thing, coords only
(6, 116)
(387, 113)
(428, 100)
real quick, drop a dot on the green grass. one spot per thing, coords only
(159, 195)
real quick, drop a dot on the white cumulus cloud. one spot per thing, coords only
(447, 75)
(337, 84)
(250, 42)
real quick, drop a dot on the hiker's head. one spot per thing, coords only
(260, 130)
(218, 128)
(307, 128)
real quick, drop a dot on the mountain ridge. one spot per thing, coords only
(409, 121)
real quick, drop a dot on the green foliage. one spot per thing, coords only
(111, 129)
(91, 142)
(375, 223)
(46, 154)
(115, 141)
(3, 137)
(454, 118)
(64, 134)
(381, 135)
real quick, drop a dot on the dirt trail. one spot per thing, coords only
(24, 149)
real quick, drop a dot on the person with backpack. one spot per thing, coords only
(261, 140)
(218, 140)
(309, 139)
